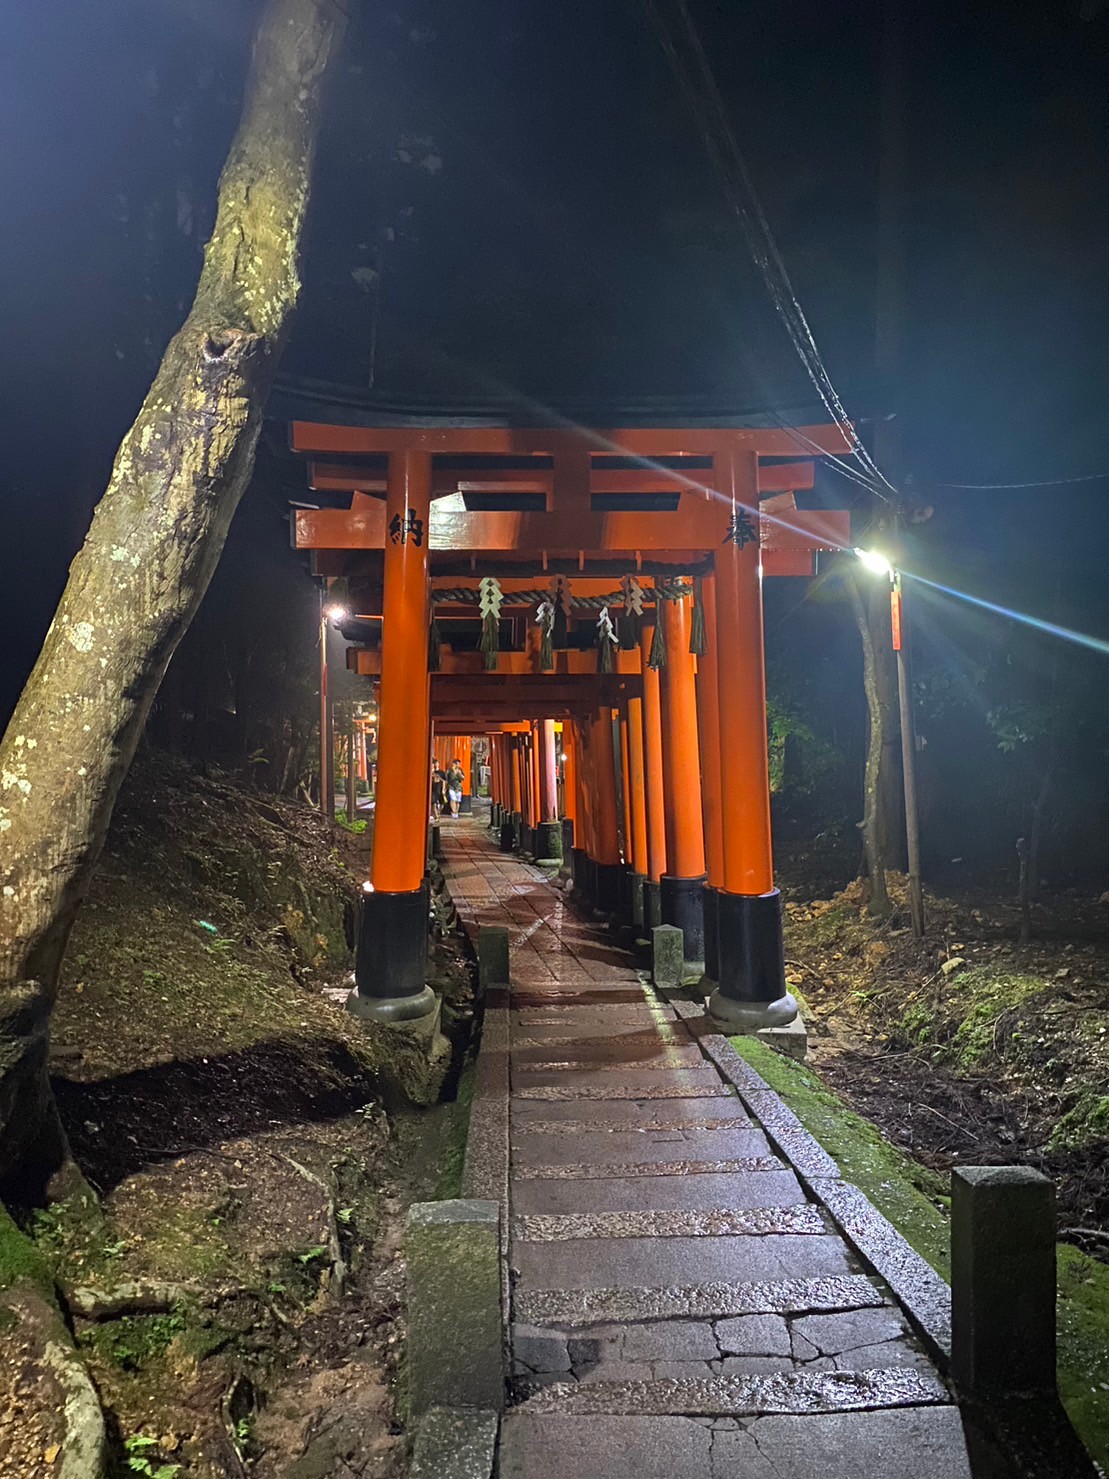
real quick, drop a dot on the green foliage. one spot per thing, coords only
(358, 826)
(800, 761)
(1087, 1120)
(132, 1341)
(137, 1449)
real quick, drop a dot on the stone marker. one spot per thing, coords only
(492, 957)
(455, 1346)
(1002, 1280)
(455, 1444)
(667, 957)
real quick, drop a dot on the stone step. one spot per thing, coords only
(661, 1187)
(624, 1145)
(751, 1395)
(718, 1299)
(561, 1118)
(804, 1220)
(677, 1084)
(893, 1443)
(637, 1263)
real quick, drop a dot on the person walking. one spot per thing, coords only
(438, 790)
(456, 779)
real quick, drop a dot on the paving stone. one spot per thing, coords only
(781, 1391)
(890, 1353)
(659, 1057)
(540, 1350)
(689, 1186)
(535, 1446)
(625, 1263)
(906, 1443)
(803, 1220)
(631, 1083)
(754, 1335)
(662, 1089)
(829, 1335)
(754, 1365)
(635, 1147)
(917, 1286)
(713, 1300)
(647, 1114)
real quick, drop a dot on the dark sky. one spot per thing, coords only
(546, 223)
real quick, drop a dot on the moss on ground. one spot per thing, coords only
(20, 1261)
(908, 1194)
(1087, 1120)
(914, 1200)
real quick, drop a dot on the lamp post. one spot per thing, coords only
(899, 630)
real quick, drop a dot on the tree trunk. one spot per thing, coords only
(136, 583)
(878, 903)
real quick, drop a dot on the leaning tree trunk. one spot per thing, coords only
(137, 581)
(879, 902)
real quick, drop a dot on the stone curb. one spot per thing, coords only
(918, 1289)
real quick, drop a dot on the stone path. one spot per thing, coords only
(680, 1308)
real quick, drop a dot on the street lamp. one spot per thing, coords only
(878, 564)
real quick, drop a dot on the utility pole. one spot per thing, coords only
(903, 653)
(327, 730)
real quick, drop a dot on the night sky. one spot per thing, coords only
(512, 203)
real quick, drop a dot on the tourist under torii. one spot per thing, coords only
(508, 579)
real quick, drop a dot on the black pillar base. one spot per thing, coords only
(466, 806)
(751, 963)
(507, 837)
(652, 907)
(568, 848)
(390, 970)
(435, 841)
(580, 861)
(711, 978)
(548, 842)
(495, 816)
(518, 831)
(682, 906)
(607, 896)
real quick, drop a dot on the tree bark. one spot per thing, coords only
(136, 583)
(879, 902)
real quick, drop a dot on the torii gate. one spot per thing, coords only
(448, 506)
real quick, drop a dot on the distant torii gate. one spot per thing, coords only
(687, 520)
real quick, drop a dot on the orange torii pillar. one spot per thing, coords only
(583, 824)
(654, 789)
(708, 733)
(685, 876)
(391, 960)
(637, 810)
(751, 962)
(494, 782)
(548, 844)
(569, 793)
(605, 869)
(516, 817)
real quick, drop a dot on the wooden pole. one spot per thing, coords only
(685, 837)
(637, 787)
(654, 786)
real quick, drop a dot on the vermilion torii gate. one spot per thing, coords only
(641, 552)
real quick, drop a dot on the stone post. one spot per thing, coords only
(1002, 1280)
(455, 1329)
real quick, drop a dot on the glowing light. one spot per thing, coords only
(1052, 629)
(563, 755)
(874, 561)
(367, 887)
(336, 613)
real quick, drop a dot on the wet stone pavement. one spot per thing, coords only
(680, 1307)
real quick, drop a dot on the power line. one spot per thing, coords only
(747, 207)
(1090, 477)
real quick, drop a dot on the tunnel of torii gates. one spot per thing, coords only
(591, 602)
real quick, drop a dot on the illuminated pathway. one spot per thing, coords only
(681, 1306)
